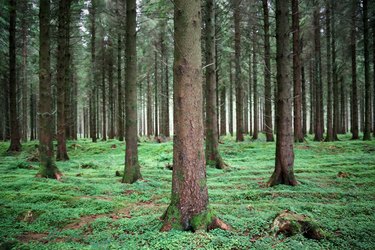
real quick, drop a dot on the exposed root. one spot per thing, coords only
(217, 223)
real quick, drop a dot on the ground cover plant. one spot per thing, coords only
(91, 209)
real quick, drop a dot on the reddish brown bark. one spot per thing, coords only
(188, 209)
(284, 162)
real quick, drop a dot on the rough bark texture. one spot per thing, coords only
(48, 168)
(329, 136)
(319, 91)
(15, 136)
(238, 81)
(367, 128)
(188, 209)
(62, 47)
(297, 109)
(132, 169)
(213, 157)
(267, 75)
(284, 162)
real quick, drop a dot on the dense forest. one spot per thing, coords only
(173, 124)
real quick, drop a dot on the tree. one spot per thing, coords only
(317, 77)
(367, 129)
(255, 88)
(354, 98)
(298, 135)
(15, 136)
(329, 136)
(212, 134)
(267, 75)
(93, 90)
(132, 169)
(188, 209)
(62, 64)
(48, 168)
(238, 80)
(284, 162)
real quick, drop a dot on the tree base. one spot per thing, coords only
(63, 156)
(280, 178)
(135, 174)
(204, 221)
(51, 172)
(217, 163)
(14, 147)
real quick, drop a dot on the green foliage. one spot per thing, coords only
(112, 215)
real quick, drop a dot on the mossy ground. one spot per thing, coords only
(91, 209)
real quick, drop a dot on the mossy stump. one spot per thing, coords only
(289, 223)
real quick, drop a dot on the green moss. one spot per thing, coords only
(202, 220)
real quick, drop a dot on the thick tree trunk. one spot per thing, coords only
(213, 157)
(329, 136)
(62, 47)
(238, 81)
(132, 169)
(317, 83)
(284, 162)
(15, 136)
(25, 87)
(267, 75)
(48, 168)
(188, 209)
(297, 109)
(367, 128)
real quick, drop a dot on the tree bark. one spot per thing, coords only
(47, 168)
(367, 128)
(150, 129)
(267, 75)
(132, 169)
(284, 162)
(111, 92)
(94, 91)
(156, 96)
(255, 89)
(188, 209)
(15, 136)
(298, 135)
(213, 157)
(329, 136)
(230, 97)
(304, 103)
(317, 72)
(238, 80)
(120, 116)
(336, 94)
(62, 47)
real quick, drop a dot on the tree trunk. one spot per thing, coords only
(48, 168)
(111, 88)
(367, 128)
(150, 129)
(15, 136)
(120, 116)
(317, 72)
(312, 99)
(230, 97)
(213, 157)
(336, 94)
(94, 91)
(255, 89)
(132, 169)
(156, 95)
(188, 209)
(223, 111)
(238, 81)
(373, 78)
(267, 75)
(297, 109)
(25, 94)
(284, 162)
(329, 136)
(304, 103)
(62, 47)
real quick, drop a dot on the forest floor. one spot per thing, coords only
(91, 209)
